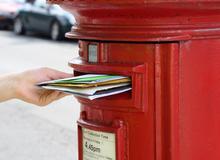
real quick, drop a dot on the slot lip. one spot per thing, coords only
(125, 68)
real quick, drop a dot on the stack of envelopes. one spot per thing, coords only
(90, 86)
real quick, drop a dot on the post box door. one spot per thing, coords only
(131, 117)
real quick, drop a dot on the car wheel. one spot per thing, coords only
(55, 31)
(18, 26)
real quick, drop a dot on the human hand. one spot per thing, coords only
(26, 89)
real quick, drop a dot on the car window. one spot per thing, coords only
(12, 1)
(56, 7)
(40, 3)
(21, 1)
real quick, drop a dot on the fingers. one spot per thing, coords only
(49, 96)
(27, 90)
(61, 95)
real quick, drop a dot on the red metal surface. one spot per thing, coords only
(170, 49)
(199, 104)
(141, 20)
(136, 108)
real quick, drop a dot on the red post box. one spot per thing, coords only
(171, 51)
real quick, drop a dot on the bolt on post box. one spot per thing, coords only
(170, 50)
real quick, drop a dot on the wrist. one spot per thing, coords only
(15, 85)
(9, 85)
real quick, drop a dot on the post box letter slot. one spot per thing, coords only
(132, 100)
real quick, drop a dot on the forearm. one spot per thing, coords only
(7, 87)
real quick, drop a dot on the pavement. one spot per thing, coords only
(28, 132)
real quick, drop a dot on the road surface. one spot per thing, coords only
(28, 132)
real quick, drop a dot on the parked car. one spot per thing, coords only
(8, 9)
(39, 17)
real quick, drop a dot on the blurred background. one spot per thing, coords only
(31, 36)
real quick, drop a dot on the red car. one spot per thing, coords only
(8, 10)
